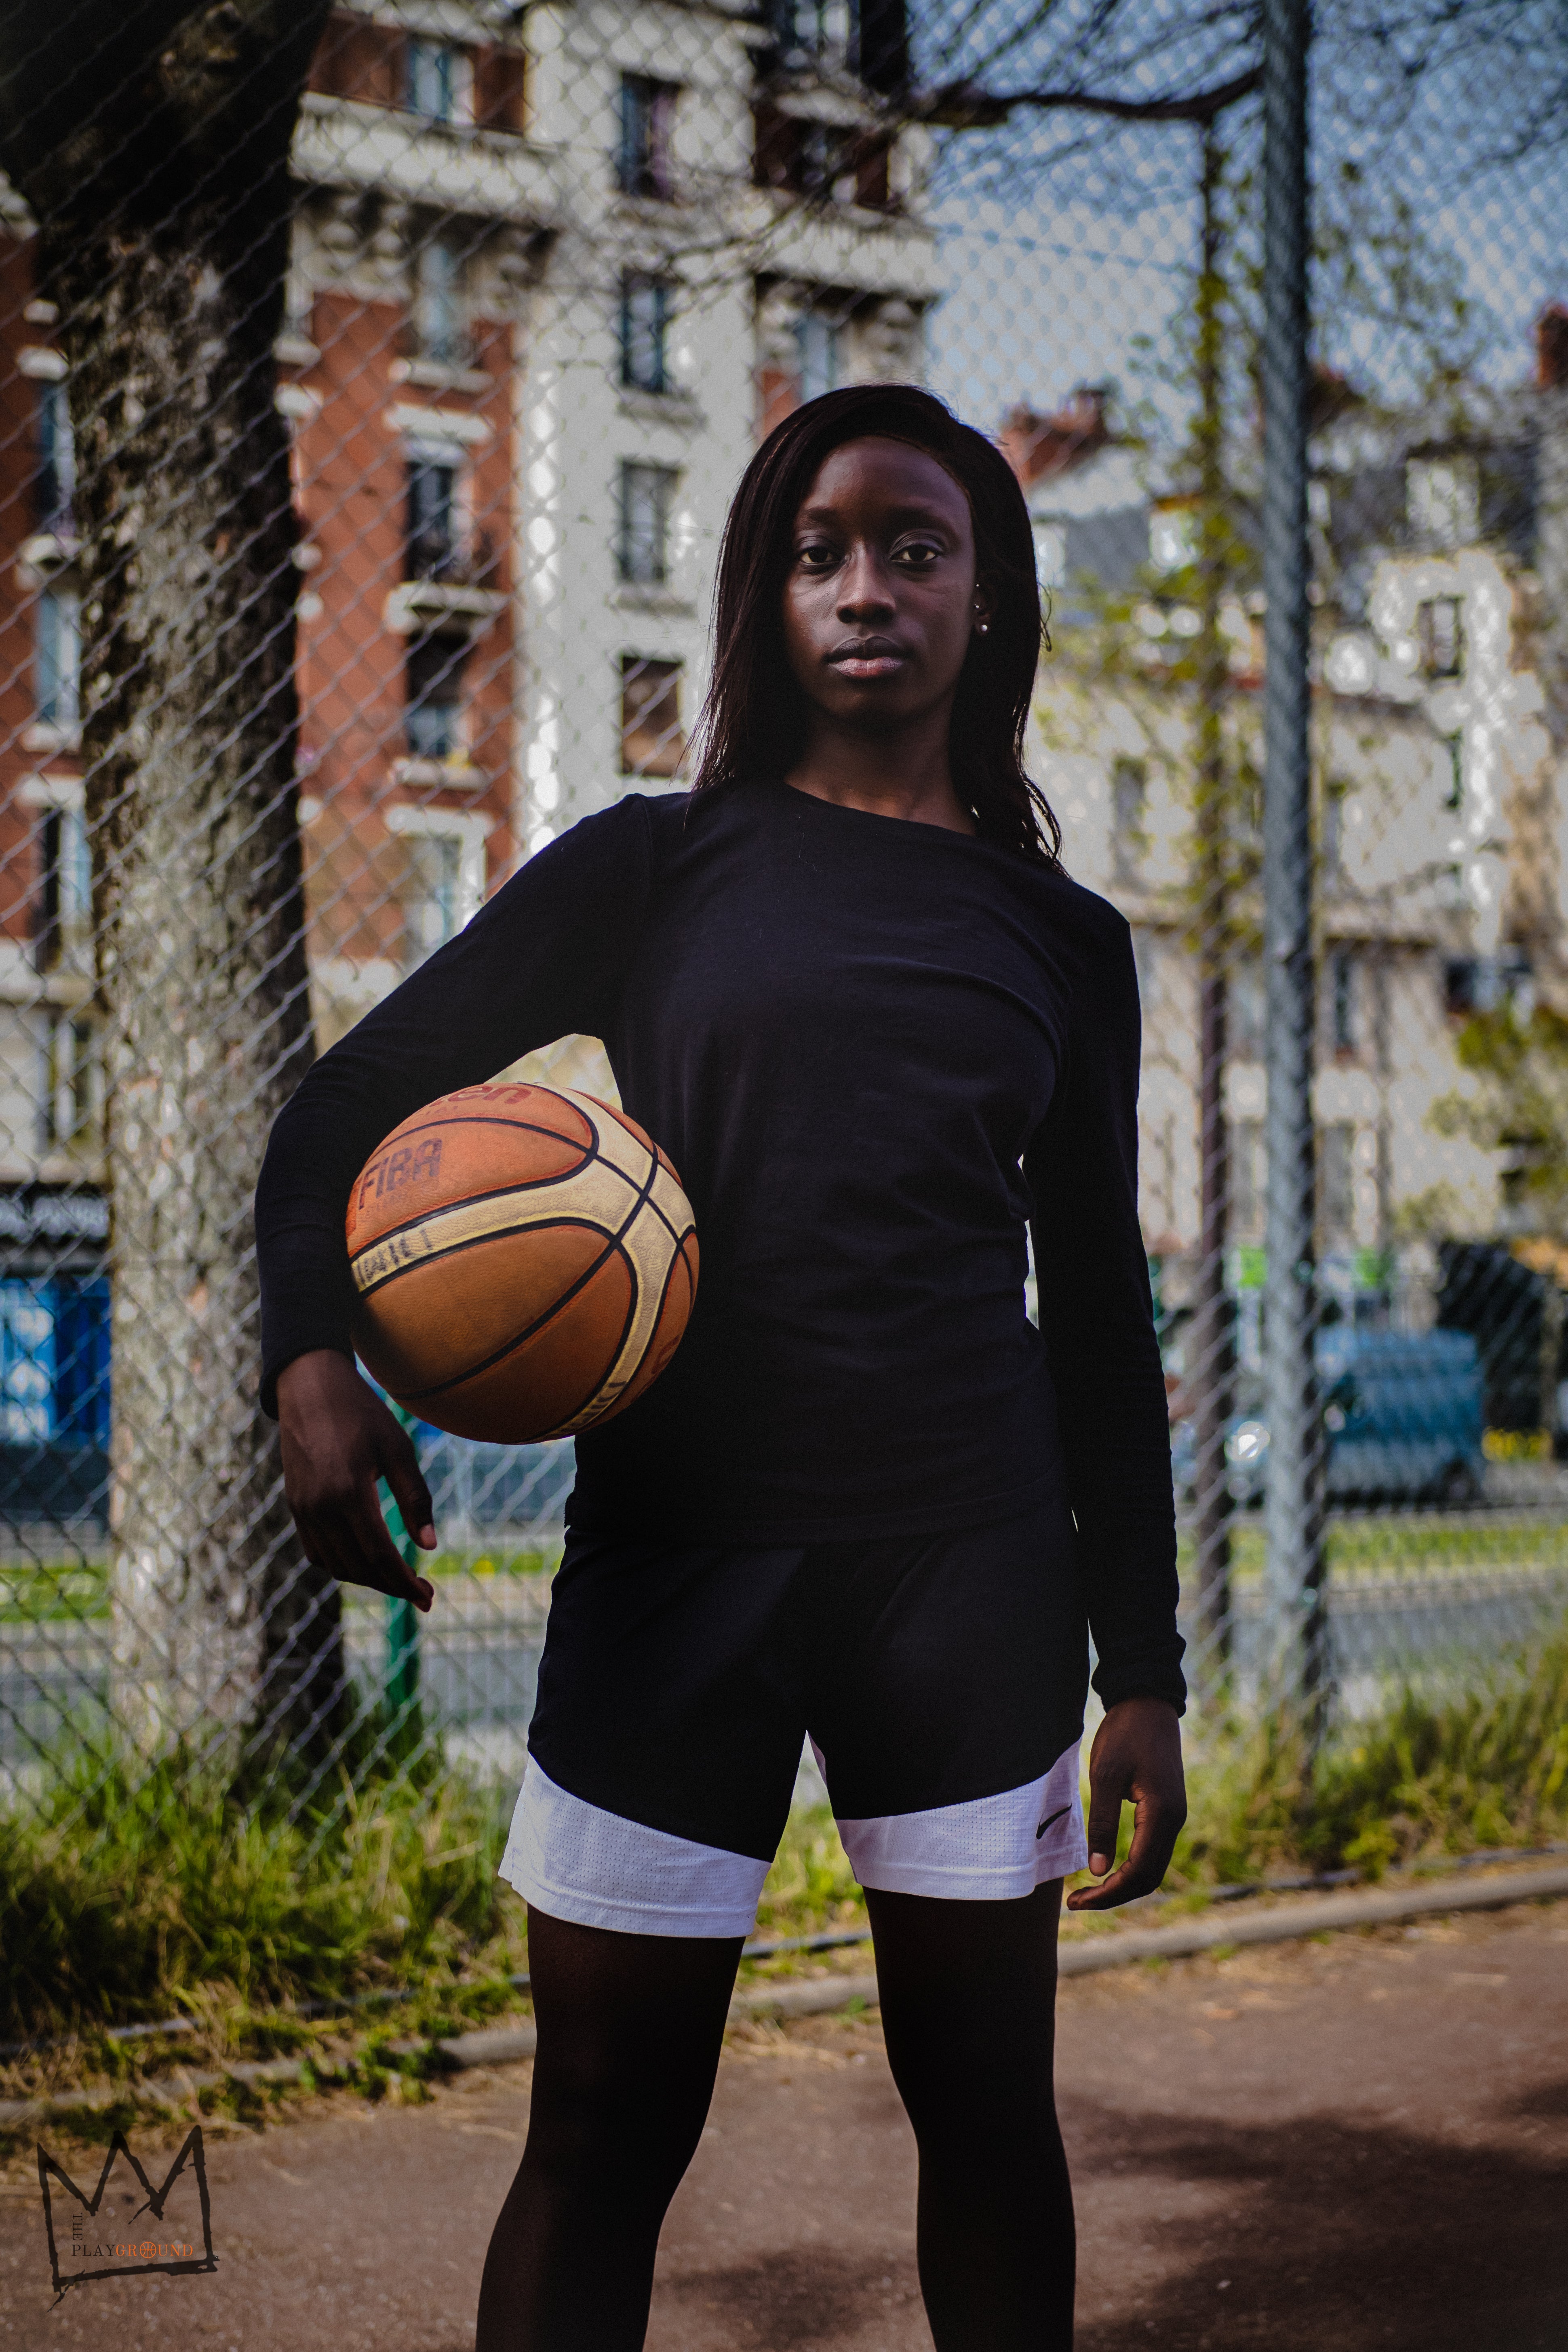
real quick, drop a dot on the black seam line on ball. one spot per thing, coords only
(616, 1243)
(488, 1119)
(476, 1118)
(568, 1422)
(613, 1247)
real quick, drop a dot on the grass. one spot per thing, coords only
(76, 1592)
(530, 1560)
(130, 1897)
(811, 1889)
(1429, 1776)
(166, 1893)
(1380, 1543)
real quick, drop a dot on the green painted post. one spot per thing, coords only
(401, 1617)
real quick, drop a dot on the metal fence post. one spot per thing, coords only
(1296, 1645)
(1213, 1343)
(402, 1687)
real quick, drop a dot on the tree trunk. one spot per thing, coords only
(162, 207)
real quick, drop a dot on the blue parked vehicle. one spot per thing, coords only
(1402, 1414)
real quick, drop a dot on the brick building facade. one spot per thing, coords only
(550, 276)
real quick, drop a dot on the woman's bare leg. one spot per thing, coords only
(630, 2028)
(968, 1994)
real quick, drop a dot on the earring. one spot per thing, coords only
(984, 626)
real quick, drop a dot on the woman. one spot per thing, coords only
(848, 987)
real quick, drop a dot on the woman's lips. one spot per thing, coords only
(867, 665)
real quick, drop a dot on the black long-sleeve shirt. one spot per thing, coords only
(874, 1050)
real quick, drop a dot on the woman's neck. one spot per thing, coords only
(906, 774)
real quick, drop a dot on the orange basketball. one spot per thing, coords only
(525, 1261)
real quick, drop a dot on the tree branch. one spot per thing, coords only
(966, 106)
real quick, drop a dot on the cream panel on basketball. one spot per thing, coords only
(650, 1238)
(598, 1194)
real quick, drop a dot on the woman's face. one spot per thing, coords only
(881, 600)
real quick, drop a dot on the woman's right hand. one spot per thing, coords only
(338, 1438)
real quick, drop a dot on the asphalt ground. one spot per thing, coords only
(1352, 2143)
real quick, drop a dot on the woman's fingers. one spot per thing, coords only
(338, 1440)
(1154, 1832)
(379, 1563)
(1136, 1760)
(400, 1468)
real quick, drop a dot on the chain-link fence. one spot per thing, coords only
(373, 385)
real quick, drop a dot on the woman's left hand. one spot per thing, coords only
(1137, 1760)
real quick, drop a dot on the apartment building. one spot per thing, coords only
(1440, 815)
(552, 274)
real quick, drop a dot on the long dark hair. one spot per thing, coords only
(753, 722)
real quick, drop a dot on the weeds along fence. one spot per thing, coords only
(374, 380)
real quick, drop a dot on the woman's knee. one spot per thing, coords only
(596, 2119)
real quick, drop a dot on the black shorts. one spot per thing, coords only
(940, 1679)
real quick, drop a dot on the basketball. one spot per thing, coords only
(524, 1260)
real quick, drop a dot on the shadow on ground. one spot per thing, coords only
(796, 2301)
(1329, 2234)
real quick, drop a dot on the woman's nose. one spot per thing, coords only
(864, 586)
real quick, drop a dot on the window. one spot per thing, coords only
(1473, 985)
(54, 485)
(432, 516)
(819, 159)
(57, 659)
(648, 114)
(439, 329)
(1333, 835)
(68, 1108)
(65, 894)
(651, 741)
(1343, 995)
(445, 876)
(432, 722)
(644, 333)
(1336, 1179)
(431, 909)
(1440, 624)
(1129, 811)
(643, 553)
(824, 158)
(819, 341)
(1248, 1009)
(1454, 798)
(1248, 1180)
(438, 82)
(1442, 500)
(1173, 536)
(810, 32)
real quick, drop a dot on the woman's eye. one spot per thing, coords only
(816, 558)
(918, 557)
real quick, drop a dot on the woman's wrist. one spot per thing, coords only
(308, 1381)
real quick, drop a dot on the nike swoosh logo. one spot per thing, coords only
(1044, 1825)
